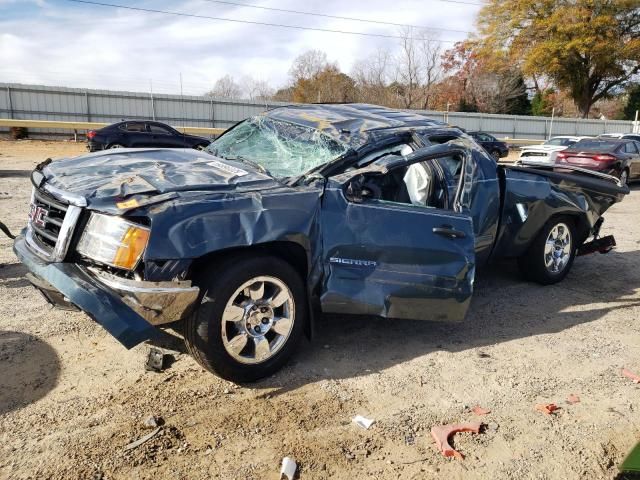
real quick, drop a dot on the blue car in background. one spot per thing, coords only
(491, 144)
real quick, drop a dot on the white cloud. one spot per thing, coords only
(88, 46)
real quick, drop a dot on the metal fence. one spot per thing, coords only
(35, 102)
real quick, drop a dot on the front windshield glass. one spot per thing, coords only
(283, 149)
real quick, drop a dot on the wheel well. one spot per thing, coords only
(291, 252)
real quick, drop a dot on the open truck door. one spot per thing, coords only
(388, 254)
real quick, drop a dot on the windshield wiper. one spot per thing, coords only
(242, 159)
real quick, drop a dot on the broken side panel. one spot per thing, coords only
(395, 260)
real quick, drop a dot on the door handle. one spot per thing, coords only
(448, 231)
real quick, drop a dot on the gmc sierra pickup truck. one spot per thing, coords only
(302, 210)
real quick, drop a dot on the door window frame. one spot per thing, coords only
(456, 205)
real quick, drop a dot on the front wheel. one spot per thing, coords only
(495, 155)
(550, 256)
(250, 319)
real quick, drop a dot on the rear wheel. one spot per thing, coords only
(551, 255)
(496, 155)
(115, 145)
(250, 319)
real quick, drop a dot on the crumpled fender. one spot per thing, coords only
(191, 227)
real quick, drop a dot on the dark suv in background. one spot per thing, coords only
(140, 134)
(491, 144)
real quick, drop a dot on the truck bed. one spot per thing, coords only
(531, 196)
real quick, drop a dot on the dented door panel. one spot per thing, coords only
(384, 259)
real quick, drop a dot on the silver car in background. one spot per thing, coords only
(545, 154)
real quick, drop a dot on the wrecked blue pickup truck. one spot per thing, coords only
(308, 209)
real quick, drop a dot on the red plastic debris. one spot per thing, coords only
(572, 398)
(631, 375)
(547, 408)
(441, 434)
(478, 410)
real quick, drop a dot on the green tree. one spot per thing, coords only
(519, 104)
(542, 103)
(633, 103)
(590, 48)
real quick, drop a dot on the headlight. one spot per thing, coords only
(113, 241)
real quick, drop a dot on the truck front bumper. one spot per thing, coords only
(128, 309)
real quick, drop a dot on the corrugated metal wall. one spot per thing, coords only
(34, 102)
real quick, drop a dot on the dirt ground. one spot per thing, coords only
(71, 397)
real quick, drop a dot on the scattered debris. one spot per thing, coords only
(441, 434)
(484, 355)
(152, 421)
(362, 421)
(572, 399)
(547, 408)
(288, 469)
(157, 360)
(142, 440)
(629, 374)
(478, 410)
(492, 427)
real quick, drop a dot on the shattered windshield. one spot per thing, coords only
(281, 148)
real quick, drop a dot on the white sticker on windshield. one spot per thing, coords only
(236, 172)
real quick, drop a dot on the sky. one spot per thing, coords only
(63, 43)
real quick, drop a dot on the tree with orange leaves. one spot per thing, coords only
(590, 48)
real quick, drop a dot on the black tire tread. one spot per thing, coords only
(530, 263)
(223, 273)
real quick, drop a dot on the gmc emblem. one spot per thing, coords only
(37, 215)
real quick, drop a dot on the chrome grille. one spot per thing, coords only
(45, 217)
(51, 224)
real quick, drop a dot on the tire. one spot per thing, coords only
(115, 145)
(226, 335)
(546, 265)
(200, 146)
(495, 154)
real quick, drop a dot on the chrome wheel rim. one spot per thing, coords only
(557, 249)
(258, 319)
(115, 145)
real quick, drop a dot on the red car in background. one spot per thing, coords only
(617, 157)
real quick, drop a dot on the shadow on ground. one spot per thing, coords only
(504, 308)
(12, 275)
(15, 173)
(29, 370)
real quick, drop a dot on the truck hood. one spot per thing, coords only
(114, 175)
